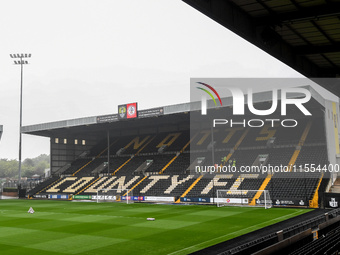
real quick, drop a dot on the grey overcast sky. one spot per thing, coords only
(90, 56)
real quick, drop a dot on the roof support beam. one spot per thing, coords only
(303, 14)
(260, 32)
(309, 50)
(238, 21)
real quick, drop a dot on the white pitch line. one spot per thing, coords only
(231, 233)
(70, 214)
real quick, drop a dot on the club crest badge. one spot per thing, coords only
(333, 203)
(122, 112)
(131, 110)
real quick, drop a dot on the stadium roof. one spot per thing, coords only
(305, 35)
(162, 117)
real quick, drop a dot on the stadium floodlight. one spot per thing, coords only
(20, 62)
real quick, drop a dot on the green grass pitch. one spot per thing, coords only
(63, 227)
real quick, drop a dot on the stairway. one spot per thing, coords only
(336, 186)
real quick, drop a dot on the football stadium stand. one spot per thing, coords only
(155, 156)
(165, 156)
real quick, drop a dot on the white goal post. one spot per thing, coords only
(114, 195)
(260, 198)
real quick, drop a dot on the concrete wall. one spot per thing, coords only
(332, 133)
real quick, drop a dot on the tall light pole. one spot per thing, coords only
(21, 61)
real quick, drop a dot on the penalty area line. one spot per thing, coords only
(219, 237)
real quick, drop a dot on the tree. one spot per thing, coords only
(30, 167)
(8, 168)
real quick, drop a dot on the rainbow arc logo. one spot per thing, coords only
(204, 99)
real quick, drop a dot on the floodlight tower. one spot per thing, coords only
(21, 61)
